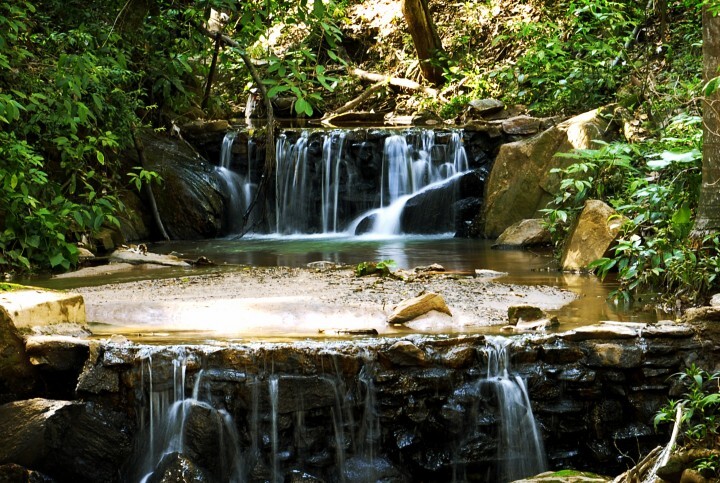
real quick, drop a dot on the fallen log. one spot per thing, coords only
(393, 81)
(353, 103)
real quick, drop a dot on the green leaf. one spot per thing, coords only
(57, 259)
(303, 107)
(682, 215)
(711, 87)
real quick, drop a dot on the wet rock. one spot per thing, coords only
(415, 307)
(66, 440)
(667, 328)
(516, 313)
(460, 357)
(63, 329)
(521, 125)
(18, 377)
(95, 378)
(12, 473)
(485, 273)
(521, 181)
(373, 469)
(600, 331)
(615, 355)
(524, 233)
(190, 201)
(205, 430)
(297, 476)
(432, 210)
(591, 236)
(135, 257)
(57, 353)
(404, 353)
(536, 325)
(177, 468)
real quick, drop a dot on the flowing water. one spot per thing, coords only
(520, 446)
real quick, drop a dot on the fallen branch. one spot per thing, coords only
(394, 81)
(352, 104)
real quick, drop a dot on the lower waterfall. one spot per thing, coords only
(223, 423)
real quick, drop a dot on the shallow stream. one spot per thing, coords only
(523, 267)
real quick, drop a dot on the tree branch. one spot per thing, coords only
(393, 81)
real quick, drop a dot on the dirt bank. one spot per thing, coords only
(304, 302)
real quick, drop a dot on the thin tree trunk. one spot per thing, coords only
(425, 37)
(708, 214)
(269, 166)
(211, 74)
(148, 188)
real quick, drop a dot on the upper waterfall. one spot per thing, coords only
(355, 181)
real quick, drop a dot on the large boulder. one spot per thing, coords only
(189, 200)
(437, 210)
(520, 183)
(595, 229)
(65, 440)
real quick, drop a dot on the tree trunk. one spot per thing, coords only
(425, 37)
(708, 215)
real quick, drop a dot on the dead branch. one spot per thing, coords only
(393, 81)
(353, 103)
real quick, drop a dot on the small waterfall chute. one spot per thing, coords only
(521, 452)
(170, 412)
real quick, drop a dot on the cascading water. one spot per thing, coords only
(292, 184)
(170, 412)
(521, 451)
(337, 423)
(409, 170)
(316, 188)
(239, 188)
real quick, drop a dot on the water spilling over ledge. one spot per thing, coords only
(359, 181)
(385, 409)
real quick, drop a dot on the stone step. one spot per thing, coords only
(31, 307)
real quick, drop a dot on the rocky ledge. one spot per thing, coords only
(392, 409)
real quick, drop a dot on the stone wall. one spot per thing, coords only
(410, 409)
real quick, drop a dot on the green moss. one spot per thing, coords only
(9, 287)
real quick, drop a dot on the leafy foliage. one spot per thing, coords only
(382, 268)
(655, 185)
(700, 414)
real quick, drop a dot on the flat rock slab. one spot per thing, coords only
(601, 331)
(31, 307)
(137, 258)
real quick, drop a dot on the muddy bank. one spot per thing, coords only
(282, 301)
